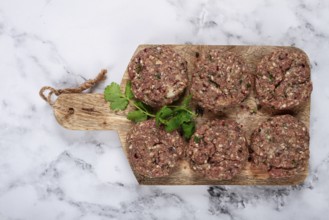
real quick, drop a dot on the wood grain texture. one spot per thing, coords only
(91, 112)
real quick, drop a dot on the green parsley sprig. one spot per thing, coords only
(120, 101)
(180, 117)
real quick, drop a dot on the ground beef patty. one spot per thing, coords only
(218, 149)
(152, 151)
(220, 80)
(283, 80)
(281, 145)
(158, 75)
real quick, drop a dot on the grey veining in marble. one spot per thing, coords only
(48, 172)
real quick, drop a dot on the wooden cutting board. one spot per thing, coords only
(91, 112)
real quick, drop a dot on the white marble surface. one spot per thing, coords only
(47, 172)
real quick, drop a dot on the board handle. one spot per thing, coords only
(87, 112)
(77, 111)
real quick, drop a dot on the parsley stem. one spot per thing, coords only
(192, 113)
(185, 109)
(145, 112)
(136, 106)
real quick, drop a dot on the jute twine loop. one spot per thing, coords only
(86, 85)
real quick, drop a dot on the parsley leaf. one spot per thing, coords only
(120, 101)
(172, 124)
(128, 92)
(177, 117)
(171, 117)
(137, 116)
(162, 115)
(186, 101)
(119, 104)
(113, 94)
(188, 129)
(184, 117)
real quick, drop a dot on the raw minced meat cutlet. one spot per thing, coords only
(221, 79)
(283, 80)
(218, 149)
(152, 151)
(281, 145)
(158, 75)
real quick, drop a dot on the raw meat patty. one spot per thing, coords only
(221, 80)
(158, 75)
(218, 149)
(152, 151)
(283, 80)
(281, 145)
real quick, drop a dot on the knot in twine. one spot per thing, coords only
(86, 85)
